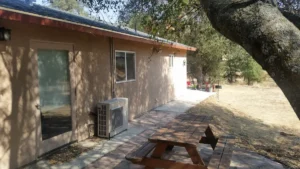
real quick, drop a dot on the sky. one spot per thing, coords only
(107, 16)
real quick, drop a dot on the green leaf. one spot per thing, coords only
(185, 1)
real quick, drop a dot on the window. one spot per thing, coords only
(125, 66)
(171, 61)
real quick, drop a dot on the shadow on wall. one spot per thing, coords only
(17, 114)
(18, 96)
(153, 85)
(93, 85)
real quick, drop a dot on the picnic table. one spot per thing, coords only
(186, 130)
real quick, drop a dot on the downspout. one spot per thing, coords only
(112, 66)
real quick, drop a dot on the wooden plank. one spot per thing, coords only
(159, 150)
(145, 150)
(197, 135)
(194, 154)
(194, 139)
(219, 148)
(181, 131)
(225, 161)
(214, 161)
(222, 154)
(139, 153)
(228, 148)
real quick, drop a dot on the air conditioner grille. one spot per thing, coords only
(102, 112)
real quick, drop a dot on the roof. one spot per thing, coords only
(37, 14)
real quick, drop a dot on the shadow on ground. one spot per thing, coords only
(273, 142)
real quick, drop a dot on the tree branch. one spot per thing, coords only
(271, 39)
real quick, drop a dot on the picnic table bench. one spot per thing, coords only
(186, 130)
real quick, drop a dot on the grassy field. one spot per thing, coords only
(260, 117)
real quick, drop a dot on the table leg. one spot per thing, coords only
(194, 154)
(158, 152)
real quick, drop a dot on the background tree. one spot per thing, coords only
(196, 31)
(239, 63)
(206, 61)
(233, 65)
(252, 71)
(72, 6)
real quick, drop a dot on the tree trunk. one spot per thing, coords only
(248, 81)
(199, 77)
(271, 39)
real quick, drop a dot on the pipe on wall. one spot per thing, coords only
(112, 66)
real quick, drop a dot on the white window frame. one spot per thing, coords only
(171, 60)
(124, 51)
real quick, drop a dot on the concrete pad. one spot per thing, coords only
(194, 96)
(243, 159)
(185, 101)
(175, 106)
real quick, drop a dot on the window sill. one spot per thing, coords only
(125, 81)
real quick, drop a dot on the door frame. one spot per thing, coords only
(44, 146)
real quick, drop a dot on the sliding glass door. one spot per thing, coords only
(54, 98)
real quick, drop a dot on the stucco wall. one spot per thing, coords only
(91, 64)
(154, 83)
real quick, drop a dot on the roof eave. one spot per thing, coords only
(31, 18)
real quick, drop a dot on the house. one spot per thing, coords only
(56, 59)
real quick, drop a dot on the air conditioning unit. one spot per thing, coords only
(112, 117)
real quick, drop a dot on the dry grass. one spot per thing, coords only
(253, 134)
(263, 101)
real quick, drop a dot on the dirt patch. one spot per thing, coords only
(72, 151)
(282, 145)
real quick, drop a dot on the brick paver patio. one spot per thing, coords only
(110, 154)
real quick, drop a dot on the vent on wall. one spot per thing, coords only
(112, 117)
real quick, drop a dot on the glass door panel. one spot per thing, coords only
(55, 92)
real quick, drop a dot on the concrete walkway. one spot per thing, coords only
(185, 101)
(110, 154)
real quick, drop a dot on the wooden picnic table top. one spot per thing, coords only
(184, 130)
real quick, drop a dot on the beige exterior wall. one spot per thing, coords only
(91, 81)
(154, 83)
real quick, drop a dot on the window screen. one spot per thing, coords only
(120, 66)
(125, 66)
(130, 66)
